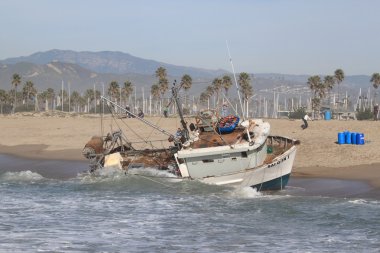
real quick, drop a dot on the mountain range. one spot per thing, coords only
(83, 70)
(112, 62)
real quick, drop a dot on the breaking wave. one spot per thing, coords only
(245, 193)
(21, 176)
(111, 174)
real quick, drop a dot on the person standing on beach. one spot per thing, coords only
(141, 114)
(128, 109)
(305, 119)
(376, 112)
(166, 112)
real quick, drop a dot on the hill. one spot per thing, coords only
(112, 62)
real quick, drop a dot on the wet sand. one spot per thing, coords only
(61, 137)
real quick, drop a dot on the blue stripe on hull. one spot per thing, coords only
(273, 185)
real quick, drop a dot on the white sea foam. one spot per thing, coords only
(364, 202)
(21, 176)
(113, 174)
(150, 172)
(103, 175)
(245, 193)
(358, 201)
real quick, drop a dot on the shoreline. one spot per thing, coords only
(41, 152)
(305, 177)
(62, 137)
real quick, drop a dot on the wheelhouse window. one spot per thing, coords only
(208, 160)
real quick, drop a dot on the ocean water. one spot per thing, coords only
(115, 212)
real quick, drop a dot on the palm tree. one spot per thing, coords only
(319, 90)
(209, 91)
(375, 80)
(163, 82)
(246, 88)
(161, 73)
(186, 82)
(29, 92)
(89, 96)
(127, 89)
(75, 99)
(204, 97)
(329, 81)
(50, 95)
(3, 99)
(16, 80)
(217, 86)
(43, 97)
(226, 83)
(81, 103)
(114, 90)
(339, 77)
(164, 86)
(329, 84)
(313, 83)
(155, 92)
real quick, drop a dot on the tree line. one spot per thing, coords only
(322, 88)
(30, 99)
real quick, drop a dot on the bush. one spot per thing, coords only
(364, 115)
(297, 114)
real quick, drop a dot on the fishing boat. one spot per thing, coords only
(214, 150)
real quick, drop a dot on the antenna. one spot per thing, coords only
(236, 85)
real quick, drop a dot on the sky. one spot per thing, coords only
(263, 36)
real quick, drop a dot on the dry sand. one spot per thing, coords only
(62, 136)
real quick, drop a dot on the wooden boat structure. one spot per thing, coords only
(243, 153)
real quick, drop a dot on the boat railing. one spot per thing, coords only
(282, 141)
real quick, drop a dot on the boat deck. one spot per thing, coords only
(212, 139)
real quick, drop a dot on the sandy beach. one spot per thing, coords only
(62, 136)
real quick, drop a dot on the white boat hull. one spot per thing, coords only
(273, 176)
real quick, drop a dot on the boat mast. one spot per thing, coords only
(137, 117)
(180, 113)
(236, 85)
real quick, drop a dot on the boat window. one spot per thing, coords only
(234, 159)
(225, 155)
(244, 154)
(208, 161)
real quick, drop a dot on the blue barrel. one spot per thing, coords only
(327, 115)
(348, 137)
(341, 138)
(360, 139)
(353, 138)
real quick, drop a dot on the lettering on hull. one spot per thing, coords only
(278, 162)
